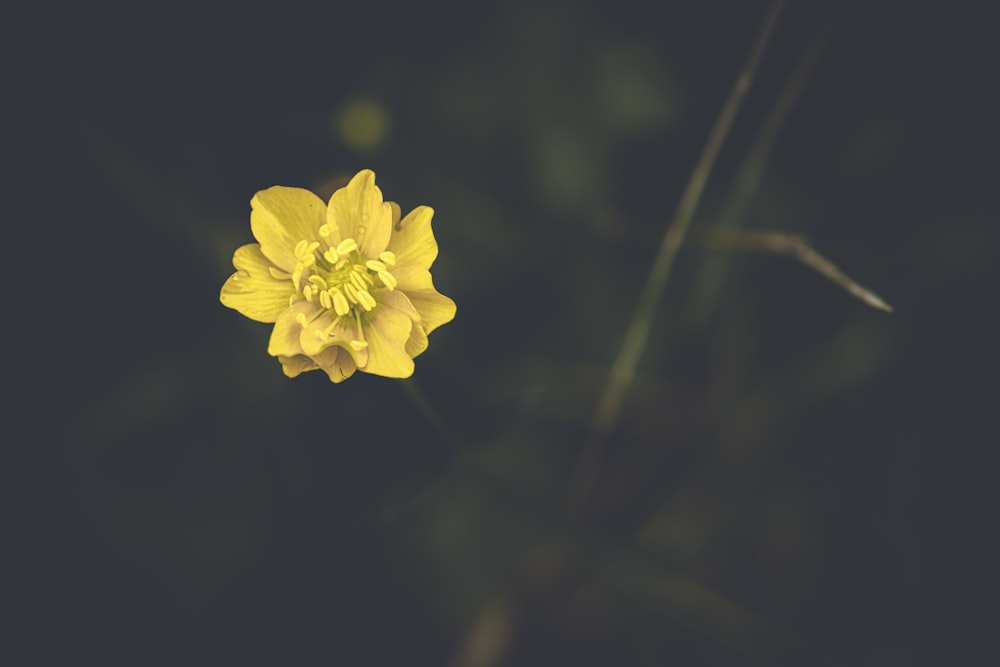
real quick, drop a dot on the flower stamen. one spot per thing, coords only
(366, 300)
(352, 293)
(325, 300)
(347, 246)
(340, 287)
(340, 305)
(340, 279)
(358, 281)
(329, 329)
(387, 279)
(360, 343)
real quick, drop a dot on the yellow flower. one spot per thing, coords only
(346, 284)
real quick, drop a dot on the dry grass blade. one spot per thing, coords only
(637, 334)
(794, 246)
(711, 274)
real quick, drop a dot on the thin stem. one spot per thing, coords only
(793, 246)
(426, 409)
(711, 274)
(637, 334)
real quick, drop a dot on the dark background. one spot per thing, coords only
(796, 479)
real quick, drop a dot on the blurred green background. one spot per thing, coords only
(796, 478)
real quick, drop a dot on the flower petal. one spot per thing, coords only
(412, 240)
(322, 334)
(358, 212)
(397, 301)
(337, 363)
(252, 290)
(417, 343)
(412, 278)
(296, 365)
(395, 210)
(387, 328)
(435, 308)
(287, 329)
(281, 217)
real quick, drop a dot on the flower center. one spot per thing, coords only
(338, 278)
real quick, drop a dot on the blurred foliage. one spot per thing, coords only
(784, 482)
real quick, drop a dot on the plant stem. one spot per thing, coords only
(711, 274)
(727, 238)
(637, 334)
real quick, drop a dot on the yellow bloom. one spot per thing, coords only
(346, 284)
